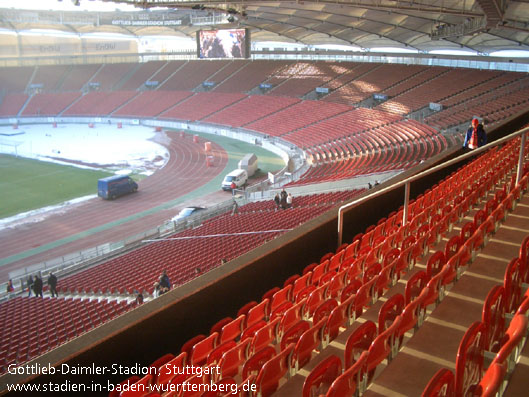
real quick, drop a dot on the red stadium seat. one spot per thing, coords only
(392, 308)
(232, 330)
(442, 384)
(309, 341)
(255, 362)
(359, 342)
(351, 380)
(493, 318)
(512, 282)
(469, 360)
(336, 319)
(201, 350)
(416, 283)
(322, 376)
(272, 371)
(266, 335)
(293, 334)
(232, 359)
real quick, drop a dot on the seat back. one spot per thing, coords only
(188, 346)
(412, 314)
(324, 309)
(467, 230)
(436, 287)
(280, 297)
(371, 270)
(233, 329)
(293, 334)
(301, 283)
(359, 342)
(265, 336)
(391, 255)
(232, 359)
(452, 246)
(201, 350)
(337, 318)
(322, 376)
(383, 345)
(361, 299)
(415, 285)
(351, 380)
(385, 278)
(256, 361)
(469, 360)
(272, 371)
(512, 282)
(493, 318)
(215, 355)
(392, 308)
(435, 263)
(258, 313)
(309, 341)
(442, 384)
(291, 317)
(350, 289)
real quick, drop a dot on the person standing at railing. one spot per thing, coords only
(10, 289)
(52, 283)
(476, 136)
(37, 286)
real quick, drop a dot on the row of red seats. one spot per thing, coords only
(377, 80)
(38, 325)
(122, 274)
(492, 334)
(303, 296)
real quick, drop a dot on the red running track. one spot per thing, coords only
(185, 171)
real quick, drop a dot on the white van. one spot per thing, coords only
(238, 178)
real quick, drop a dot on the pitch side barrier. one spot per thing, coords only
(407, 182)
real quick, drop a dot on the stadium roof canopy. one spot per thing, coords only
(482, 26)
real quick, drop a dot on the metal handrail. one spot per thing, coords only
(406, 182)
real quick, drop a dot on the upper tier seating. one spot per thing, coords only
(78, 76)
(49, 104)
(296, 116)
(12, 103)
(192, 75)
(142, 73)
(201, 105)
(151, 103)
(111, 74)
(435, 90)
(50, 76)
(249, 76)
(250, 109)
(339, 126)
(302, 78)
(15, 79)
(99, 103)
(375, 81)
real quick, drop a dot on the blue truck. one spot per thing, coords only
(114, 186)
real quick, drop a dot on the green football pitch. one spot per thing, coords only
(27, 184)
